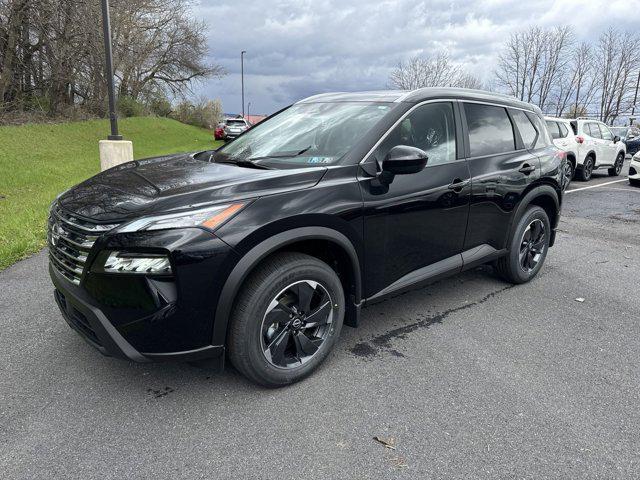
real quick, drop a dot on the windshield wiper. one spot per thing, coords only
(282, 155)
(247, 164)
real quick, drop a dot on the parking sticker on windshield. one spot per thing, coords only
(319, 159)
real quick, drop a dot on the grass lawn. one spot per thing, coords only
(39, 161)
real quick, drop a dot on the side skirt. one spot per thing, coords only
(436, 271)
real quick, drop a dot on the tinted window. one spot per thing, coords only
(593, 130)
(490, 130)
(528, 133)
(431, 128)
(553, 129)
(606, 133)
(543, 136)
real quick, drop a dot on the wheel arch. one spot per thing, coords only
(544, 195)
(327, 244)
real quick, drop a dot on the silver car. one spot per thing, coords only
(235, 126)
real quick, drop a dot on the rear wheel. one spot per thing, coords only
(617, 167)
(286, 320)
(569, 171)
(584, 173)
(528, 247)
(633, 182)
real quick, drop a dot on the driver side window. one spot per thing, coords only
(431, 128)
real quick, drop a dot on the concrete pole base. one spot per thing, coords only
(114, 152)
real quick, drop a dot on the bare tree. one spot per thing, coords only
(51, 52)
(533, 62)
(616, 64)
(438, 71)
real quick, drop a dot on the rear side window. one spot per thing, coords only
(564, 131)
(554, 129)
(593, 130)
(528, 132)
(490, 130)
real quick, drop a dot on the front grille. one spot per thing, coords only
(70, 239)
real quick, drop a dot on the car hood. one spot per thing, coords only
(161, 184)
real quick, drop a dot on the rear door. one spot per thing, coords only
(501, 169)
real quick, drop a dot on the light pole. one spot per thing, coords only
(242, 77)
(248, 109)
(106, 30)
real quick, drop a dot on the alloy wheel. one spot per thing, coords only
(588, 168)
(619, 163)
(297, 322)
(568, 173)
(532, 245)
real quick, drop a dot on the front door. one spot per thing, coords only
(610, 149)
(421, 218)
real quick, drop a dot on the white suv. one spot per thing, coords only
(564, 138)
(589, 145)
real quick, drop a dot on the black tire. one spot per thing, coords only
(584, 172)
(283, 274)
(617, 166)
(569, 172)
(634, 183)
(510, 266)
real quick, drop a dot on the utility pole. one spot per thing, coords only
(106, 30)
(248, 109)
(635, 100)
(242, 77)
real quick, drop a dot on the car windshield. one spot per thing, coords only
(306, 134)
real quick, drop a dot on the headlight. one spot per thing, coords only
(209, 218)
(123, 262)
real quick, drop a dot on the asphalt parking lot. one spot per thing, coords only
(470, 377)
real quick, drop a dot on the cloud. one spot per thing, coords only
(296, 48)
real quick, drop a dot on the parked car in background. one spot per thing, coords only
(233, 127)
(630, 136)
(263, 249)
(563, 138)
(634, 170)
(598, 148)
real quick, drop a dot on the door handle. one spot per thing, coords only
(458, 184)
(527, 169)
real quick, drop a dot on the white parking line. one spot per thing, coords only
(595, 186)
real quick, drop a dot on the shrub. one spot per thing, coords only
(204, 113)
(160, 107)
(130, 107)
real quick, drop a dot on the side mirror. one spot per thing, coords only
(616, 139)
(404, 160)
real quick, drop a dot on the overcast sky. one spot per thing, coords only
(299, 48)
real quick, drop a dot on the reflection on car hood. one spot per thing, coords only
(166, 183)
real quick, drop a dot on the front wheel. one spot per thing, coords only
(617, 167)
(528, 247)
(286, 319)
(584, 173)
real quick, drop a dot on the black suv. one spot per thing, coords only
(262, 249)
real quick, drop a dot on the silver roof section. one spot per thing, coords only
(420, 95)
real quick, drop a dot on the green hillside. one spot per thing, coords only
(39, 161)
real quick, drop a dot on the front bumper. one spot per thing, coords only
(143, 319)
(634, 169)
